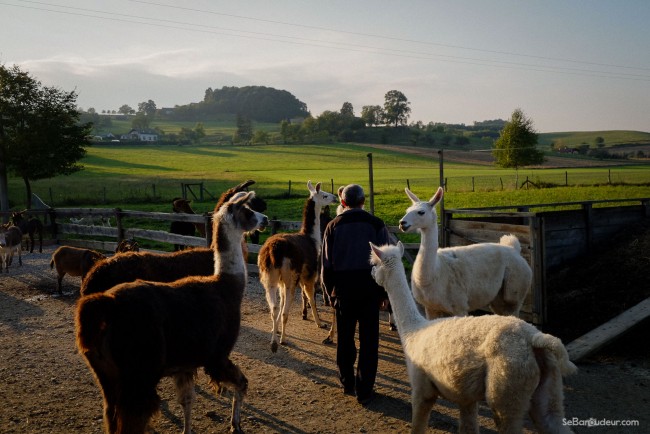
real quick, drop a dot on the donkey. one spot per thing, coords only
(10, 240)
(28, 228)
(288, 259)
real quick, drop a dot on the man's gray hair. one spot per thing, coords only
(353, 195)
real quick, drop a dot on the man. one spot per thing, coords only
(345, 274)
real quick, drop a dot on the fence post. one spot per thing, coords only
(371, 186)
(118, 223)
(566, 178)
(289, 188)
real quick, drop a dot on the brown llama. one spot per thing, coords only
(182, 206)
(138, 332)
(128, 245)
(162, 267)
(288, 259)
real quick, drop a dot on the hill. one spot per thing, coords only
(259, 103)
(611, 138)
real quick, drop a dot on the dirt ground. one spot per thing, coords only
(45, 387)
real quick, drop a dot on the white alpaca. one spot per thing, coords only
(288, 259)
(503, 360)
(457, 280)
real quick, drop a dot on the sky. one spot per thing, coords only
(570, 65)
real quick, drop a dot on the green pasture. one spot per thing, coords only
(147, 177)
(613, 137)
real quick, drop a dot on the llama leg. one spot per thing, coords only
(310, 291)
(330, 337)
(227, 373)
(136, 402)
(305, 302)
(547, 403)
(508, 392)
(58, 283)
(184, 383)
(287, 292)
(271, 286)
(468, 420)
(423, 397)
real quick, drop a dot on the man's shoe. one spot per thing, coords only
(366, 399)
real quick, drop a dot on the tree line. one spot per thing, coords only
(44, 134)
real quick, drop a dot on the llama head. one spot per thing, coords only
(238, 212)
(182, 206)
(385, 259)
(420, 214)
(321, 198)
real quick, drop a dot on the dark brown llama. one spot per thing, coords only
(162, 267)
(182, 206)
(128, 245)
(138, 332)
(29, 227)
(289, 259)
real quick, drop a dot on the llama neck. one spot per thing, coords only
(407, 315)
(311, 222)
(228, 255)
(428, 253)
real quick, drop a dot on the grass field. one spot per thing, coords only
(146, 177)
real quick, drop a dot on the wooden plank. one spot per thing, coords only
(594, 340)
(491, 232)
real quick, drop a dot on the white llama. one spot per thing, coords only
(288, 259)
(457, 280)
(503, 360)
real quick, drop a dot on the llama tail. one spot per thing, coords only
(91, 320)
(554, 346)
(51, 263)
(511, 241)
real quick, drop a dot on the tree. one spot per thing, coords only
(372, 115)
(396, 108)
(347, 110)
(126, 110)
(40, 133)
(517, 143)
(599, 142)
(244, 131)
(148, 108)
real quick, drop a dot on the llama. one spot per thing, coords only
(163, 267)
(457, 280)
(74, 261)
(182, 206)
(28, 228)
(138, 332)
(288, 259)
(503, 360)
(10, 240)
(129, 245)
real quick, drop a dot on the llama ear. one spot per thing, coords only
(244, 185)
(401, 248)
(376, 251)
(318, 187)
(311, 188)
(412, 196)
(436, 197)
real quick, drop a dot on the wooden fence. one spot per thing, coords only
(549, 239)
